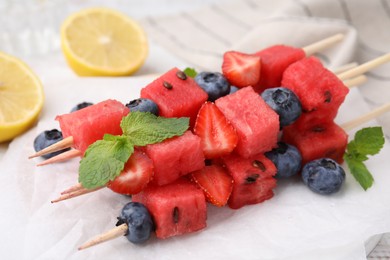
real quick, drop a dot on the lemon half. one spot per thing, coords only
(103, 42)
(21, 97)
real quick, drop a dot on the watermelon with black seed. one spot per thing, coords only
(318, 141)
(177, 208)
(176, 95)
(253, 180)
(319, 90)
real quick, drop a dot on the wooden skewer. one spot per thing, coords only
(76, 193)
(323, 44)
(366, 117)
(345, 67)
(111, 234)
(61, 157)
(354, 82)
(64, 143)
(73, 188)
(364, 67)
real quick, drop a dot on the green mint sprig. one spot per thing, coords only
(367, 141)
(104, 160)
(190, 72)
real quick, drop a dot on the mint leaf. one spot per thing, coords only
(143, 128)
(190, 72)
(367, 141)
(360, 172)
(104, 160)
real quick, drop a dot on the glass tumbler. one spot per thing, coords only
(31, 28)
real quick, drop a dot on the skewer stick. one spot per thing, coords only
(366, 117)
(356, 81)
(61, 157)
(75, 193)
(345, 67)
(73, 188)
(111, 234)
(64, 143)
(323, 44)
(364, 67)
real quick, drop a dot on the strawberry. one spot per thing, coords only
(215, 182)
(135, 176)
(218, 137)
(241, 69)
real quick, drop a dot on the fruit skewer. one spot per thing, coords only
(310, 49)
(99, 119)
(350, 76)
(68, 141)
(78, 189)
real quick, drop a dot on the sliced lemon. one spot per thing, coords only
(21, 97)
(103, 42)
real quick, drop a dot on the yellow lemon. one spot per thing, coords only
(21, 97)
(103, 42)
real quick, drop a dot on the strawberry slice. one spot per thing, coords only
(135, 176)
(241, 69)
(215, 182)
(218, 137)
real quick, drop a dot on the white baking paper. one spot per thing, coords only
(295, 224)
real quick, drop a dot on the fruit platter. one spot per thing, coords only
(287, 220)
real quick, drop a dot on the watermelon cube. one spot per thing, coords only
(176, 95)
(176, 157)
(326, 140)
(176, 208)
(319, 90)
(274, 61)
(89, 124)
(257, 125)
(252, 179)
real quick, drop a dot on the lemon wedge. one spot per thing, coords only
(21, 97)
(103, 42)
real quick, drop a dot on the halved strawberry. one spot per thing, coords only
(218, 136)
(215, 182)
(241, 69)
(135, 176)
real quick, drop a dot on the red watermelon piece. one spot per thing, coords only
(274, 61)
(176, 157)
(256, 124)
(325, 140)
(176, 95)
(320, 91)
(252, 179)
(89, 124)
(176, 208)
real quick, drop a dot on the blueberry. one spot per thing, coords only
(286, 158)
(139, 222)
(285, 103)
(143, 105)
(324, 176)
(81, 106)
(214, 83)
(47, 138)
